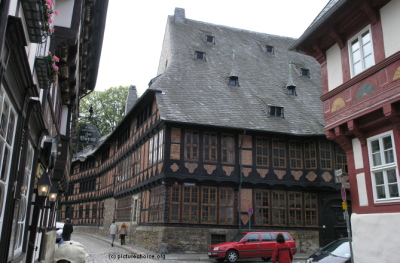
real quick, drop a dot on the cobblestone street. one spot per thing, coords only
(101, 252)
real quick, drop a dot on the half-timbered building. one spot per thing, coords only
(49, 58)
(228, 137)
(357, 44)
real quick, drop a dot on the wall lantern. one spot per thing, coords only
(44, 185)
(53, 193)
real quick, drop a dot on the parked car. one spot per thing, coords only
(249, 245)
(59, 228)
(337, 251)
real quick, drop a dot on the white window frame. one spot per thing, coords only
(3, 145)
(383, 167)
(358, 37)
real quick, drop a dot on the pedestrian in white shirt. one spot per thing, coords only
(113, 232)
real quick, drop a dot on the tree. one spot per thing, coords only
(108, 108)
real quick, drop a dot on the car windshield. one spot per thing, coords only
(338, 248)
(238, 238)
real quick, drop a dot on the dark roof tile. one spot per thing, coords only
(197, 92)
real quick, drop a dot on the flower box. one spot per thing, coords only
(38, 15)
(46, 70)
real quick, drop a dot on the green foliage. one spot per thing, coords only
(108, 108)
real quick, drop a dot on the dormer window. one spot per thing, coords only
(233, 81)
(291, 90)
(275, 111)
(305, 72)
(199, 55)
(210, 39)
(269, 49)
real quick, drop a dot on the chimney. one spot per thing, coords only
(130, 99)
(179, 16)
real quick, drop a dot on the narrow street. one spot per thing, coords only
(101, 251)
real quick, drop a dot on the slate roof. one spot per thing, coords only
(197, 91)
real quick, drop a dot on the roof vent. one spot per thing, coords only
(179, 16)
(291, 87)
(233, 76)
(130, 98)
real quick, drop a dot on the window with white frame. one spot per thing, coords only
(382, 156)
(361, 51)
(8, 120)
(21, 208)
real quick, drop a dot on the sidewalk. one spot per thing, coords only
(172, 256)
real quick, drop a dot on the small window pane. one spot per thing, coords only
(379, 178)
(355, 45)
(380, 190)
(391, 176)
(357, 68)
(367, 49)
(369, 61)
(356, 56)
(366, 37)
(393, 190)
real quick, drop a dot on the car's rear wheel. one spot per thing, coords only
(266, 258)
(232, 256)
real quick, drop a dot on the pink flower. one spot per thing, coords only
(49, 2)
(55, 67)
(50, 21)
(56, 58)
(48, 52)
(49, 15)
(52, 30)
(56, 84)
(56, 76)
(56, 12)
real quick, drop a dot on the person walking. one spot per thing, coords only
(282, 251)
(122, 233)
(67, 230)
(113, 232)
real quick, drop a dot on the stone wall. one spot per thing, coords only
(48, 246)
(196, 240)
(186, 240)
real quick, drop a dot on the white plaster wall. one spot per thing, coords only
(357, 153)
(374, 237)
(390, 25)
(64, 120)
(334, 67)
(65, 9)
(362, 189)
(13, 7)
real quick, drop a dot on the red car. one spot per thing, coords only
(249, 245)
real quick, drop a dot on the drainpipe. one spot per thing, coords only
(240, 181)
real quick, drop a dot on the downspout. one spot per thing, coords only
(240, 181)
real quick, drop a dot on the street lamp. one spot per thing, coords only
(44, 185)
(53, 193)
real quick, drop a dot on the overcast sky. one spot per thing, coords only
(135, 30)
